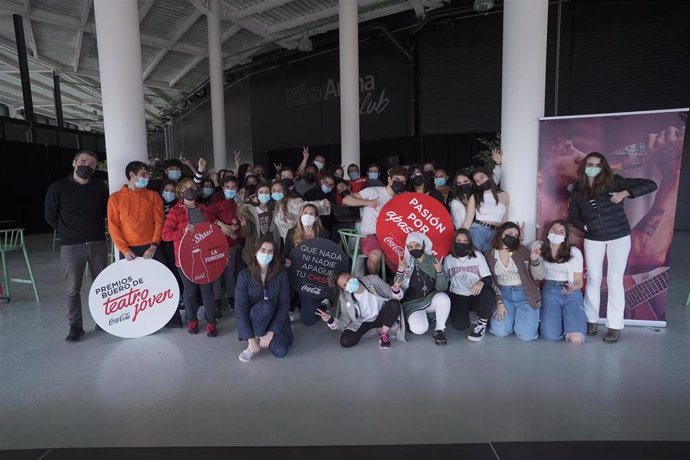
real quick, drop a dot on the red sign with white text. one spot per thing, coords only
(414, 212)
(203, 253)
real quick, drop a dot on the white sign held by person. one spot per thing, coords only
(134, 298)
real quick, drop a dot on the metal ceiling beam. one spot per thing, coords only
(315, 16)
(260, 8)
(144, 8)
(86, 9)
(34, 48)
(252, 25)
(418, 7)
(191, 20)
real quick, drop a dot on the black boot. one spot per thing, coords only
(75, 332)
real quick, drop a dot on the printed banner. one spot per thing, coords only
(203, 253)
(645, 144)
(134, 298)
(312, 263)
(414, 212)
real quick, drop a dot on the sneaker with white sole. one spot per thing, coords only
(384, 341)
(246, 355)
(477, 333)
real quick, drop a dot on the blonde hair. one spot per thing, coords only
(181, 185)
(298, 237)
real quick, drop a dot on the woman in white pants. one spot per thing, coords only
(596, 208)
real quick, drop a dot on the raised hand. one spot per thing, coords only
(202, 164)
(324, 315)
(438, 265)
(402, 263)
(237, 156)
(617, 197)
(497, 156)
(278, 166)
(535, 253)
(397, 283)
(305, 152)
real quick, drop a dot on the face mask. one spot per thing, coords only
(191, 194)
(84, 171)
(142, 182)
(417, 253)
(592, 171)
(247, 174)
(373, 175)
(230, 194)
(398, 187)
(307, 220)
(251, 189)
(417, 181)
(352, 285)
(511, 242)
(325, 188)
(461, 249)
(556, 239)
(310, 177)
(319, 165)
(168, 196)
(277, 196)
(485, 186)
(174, 174)
(464, 189)
(439, 181)
(207, 192)
(264, 198)
(353, 175)
(263, 258)
(429, 175)
(289, 182)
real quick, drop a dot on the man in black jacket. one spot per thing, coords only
(76, 207)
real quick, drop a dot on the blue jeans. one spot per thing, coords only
(261, 315)
(561, 313)
(521, 317)
(481, 237)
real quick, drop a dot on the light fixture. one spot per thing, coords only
(304, 44)
(483, 5)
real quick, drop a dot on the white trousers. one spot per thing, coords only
(616, 252)
(418, 322)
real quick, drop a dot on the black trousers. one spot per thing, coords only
(390, 311)
(484, 304)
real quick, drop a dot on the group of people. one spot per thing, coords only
(489, 281)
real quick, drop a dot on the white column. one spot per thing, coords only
(349, 81)
(122, 88)
(215, 64)
(525, 25)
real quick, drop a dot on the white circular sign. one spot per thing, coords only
(134, 298)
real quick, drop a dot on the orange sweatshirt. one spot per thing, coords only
(135, 217)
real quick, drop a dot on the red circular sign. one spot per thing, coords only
(414, 212)
(203, 253)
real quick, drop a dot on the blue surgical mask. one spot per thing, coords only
(439, 181)
(264, 258)
(207, 192)
(373, 175)
(592, 171)
(168, 196)
(325, 188)
(277, 196)
(354, 175)
(230, 194)
(352, 286)
(264, 198)
(175, 174)
(141, 182)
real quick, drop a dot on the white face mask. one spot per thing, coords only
(556, 239)
(307, 220)
(319, 165)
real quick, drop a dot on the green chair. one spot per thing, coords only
(350, 241)
(13, 240)
(687, 301)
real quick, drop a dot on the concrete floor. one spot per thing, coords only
(173, 389)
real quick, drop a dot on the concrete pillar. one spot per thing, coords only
(349, 81)
(215, 64)
(525, 25)
(122, 89)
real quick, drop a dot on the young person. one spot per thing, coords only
(562, 307)
(423, 279)
(418, 183)
(461, 200)
(471, 286)
(262, 302)
(170, 199)
(366, 306)
(287, 206)
(441, 183)
(596, 208)
(515, 270)
(491, 209)
(257, 221)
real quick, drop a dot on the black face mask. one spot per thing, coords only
(191, 194)
(417, 181)
(464, 189)
(250, 189)
(289, 182)
(485, 186)
(310, 177)
(461, 249)
(417, 253)
(84, 171)
(429, 175)
(398, 187)
(511, 242)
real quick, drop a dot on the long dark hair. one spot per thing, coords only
(497, 242)
(479, 194)
(470, 253)
(464, 199)
(411, 170)
(274, 267)
(563, 254)
(601, 183)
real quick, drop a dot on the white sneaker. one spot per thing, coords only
(294, 316)
(246, 355)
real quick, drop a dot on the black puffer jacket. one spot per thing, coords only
(606, 220)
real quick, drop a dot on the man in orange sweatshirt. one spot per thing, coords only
(135, 216)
